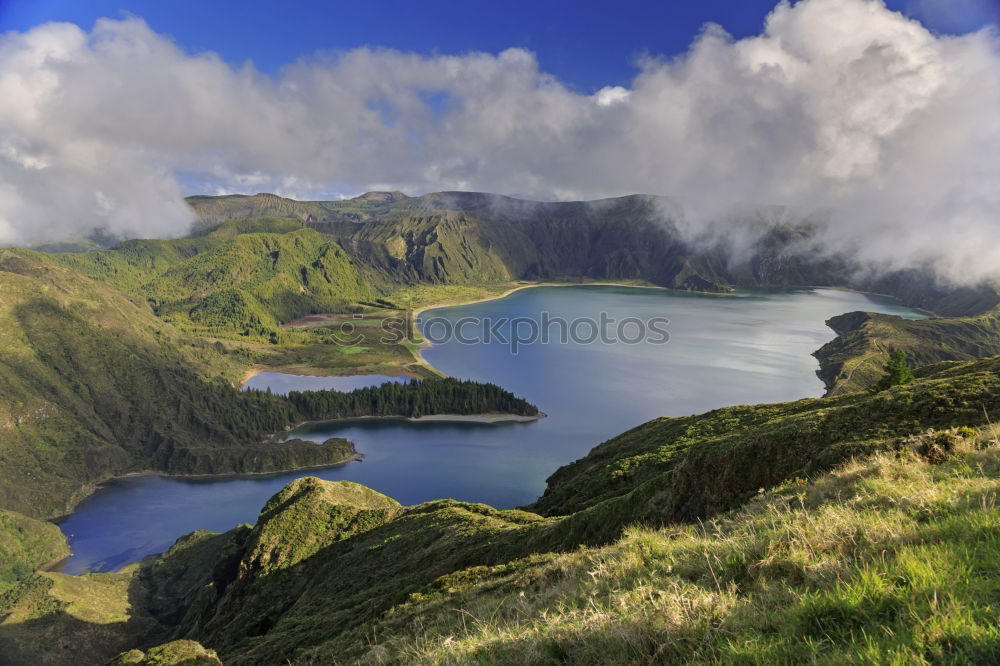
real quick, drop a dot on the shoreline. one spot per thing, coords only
(91, 488)
(430, 418)
(416, 347)
(435, 306)
(475, 418)
(264, 369)
(439, 418)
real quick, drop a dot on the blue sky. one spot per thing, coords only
(842, 110)
(587, 45)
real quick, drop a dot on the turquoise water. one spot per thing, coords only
(747, 347)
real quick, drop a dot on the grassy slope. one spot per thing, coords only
(887, 558)
(850, 561)
(215, 210)
(685, 468)
(62, 328)
(478, 239)
(174, 653)
(95, 385)
(890, 559)
(854, 360)
(78, 619)
(378, 568)
(470, 237)
(286, 275)
(247, 276)
(242, 280)
(26, 544)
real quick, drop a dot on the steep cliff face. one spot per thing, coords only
(473, 237)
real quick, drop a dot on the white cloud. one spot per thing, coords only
(609, 95)
(840, 107)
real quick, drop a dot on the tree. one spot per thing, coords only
(897, 372)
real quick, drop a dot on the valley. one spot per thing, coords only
(128, 360)
(494, 334)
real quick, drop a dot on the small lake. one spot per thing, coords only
(282, 384)
(747, 347)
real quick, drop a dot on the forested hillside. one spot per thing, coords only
(96, 385)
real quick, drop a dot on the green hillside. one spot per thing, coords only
(125, 359)
(855, 528)
(468, 238)
(853, 361)
(247, 276)
(214, 210)
(260, 262)
(26, 545)
(474, 237)
(95, 385)
(885, 560)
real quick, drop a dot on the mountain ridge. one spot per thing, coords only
(627, 237)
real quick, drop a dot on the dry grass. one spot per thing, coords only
(892, 559)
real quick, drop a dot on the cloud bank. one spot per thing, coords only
(840, 109)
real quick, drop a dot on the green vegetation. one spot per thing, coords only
(174, 653)
(897, 372)
(261, 262)
(678, 469)
(855, 528)
(470, 238)
(885, 560)
(96, 386)
(231, 281)
(26, 545)
(412, 399)
(60, 619)
(854, 360)
(850, 529)
(215, 210)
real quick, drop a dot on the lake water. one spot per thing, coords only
(748, 347)
(282, 384)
